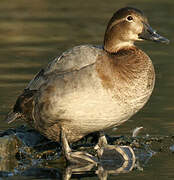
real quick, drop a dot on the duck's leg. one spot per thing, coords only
(77, 157)
(102, 143)
(65, 145)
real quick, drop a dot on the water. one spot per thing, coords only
(34, 32)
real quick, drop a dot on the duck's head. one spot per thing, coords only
(126, 26)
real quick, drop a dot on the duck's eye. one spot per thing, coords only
(129, 18)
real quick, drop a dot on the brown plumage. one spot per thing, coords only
(90, 88)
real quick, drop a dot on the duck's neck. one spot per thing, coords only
(115, 41)
(112, 46)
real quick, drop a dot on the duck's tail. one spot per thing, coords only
(22, 107)
(12, 116)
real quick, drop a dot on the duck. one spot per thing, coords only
(91, 88)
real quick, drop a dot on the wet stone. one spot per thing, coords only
(8, 146)
(8, 149)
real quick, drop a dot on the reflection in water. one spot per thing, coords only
(102, 170)
(34, 155)
(24, 152)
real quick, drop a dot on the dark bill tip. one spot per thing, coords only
(157, 38)
(150, 34)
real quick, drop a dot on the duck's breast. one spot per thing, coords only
(98, 96)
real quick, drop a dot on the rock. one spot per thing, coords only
(8, 149)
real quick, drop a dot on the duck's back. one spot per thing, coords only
(71, 60)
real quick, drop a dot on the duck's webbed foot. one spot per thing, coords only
(77, 157)
(114, 154)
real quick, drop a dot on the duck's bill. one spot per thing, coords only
(150, 34)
